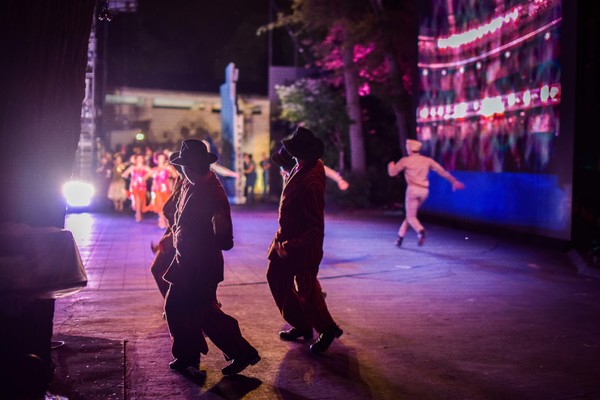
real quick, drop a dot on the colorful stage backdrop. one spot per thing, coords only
(490, 111)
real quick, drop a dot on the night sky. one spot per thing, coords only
(186, 44)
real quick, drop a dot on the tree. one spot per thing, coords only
(368, 47)
(318, 18)
(304, 102)
(384, 54)
(393, 26)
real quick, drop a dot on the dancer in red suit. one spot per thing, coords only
(202, 230)
(297, 249)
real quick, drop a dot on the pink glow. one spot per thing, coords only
(368, 73)
(364, 89)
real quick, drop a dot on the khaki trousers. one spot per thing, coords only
(415, 196)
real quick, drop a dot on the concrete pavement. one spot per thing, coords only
(467, 316)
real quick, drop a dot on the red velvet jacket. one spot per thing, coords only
(201, 231)
(301, 216)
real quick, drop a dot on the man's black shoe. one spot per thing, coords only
(325, 339)
(421, 237)
(181, 365)
(399, 241)
(294, 334)
(240, 363)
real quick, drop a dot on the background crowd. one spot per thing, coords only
(139, 177)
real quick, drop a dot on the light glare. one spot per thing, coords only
(78, 194)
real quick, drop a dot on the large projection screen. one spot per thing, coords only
(489, 106)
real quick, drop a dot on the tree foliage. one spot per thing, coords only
(313, 20)
(363, 47)
(319, 107)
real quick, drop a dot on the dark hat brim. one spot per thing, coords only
(191, 162)
(314, 152)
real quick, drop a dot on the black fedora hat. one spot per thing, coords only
(303, 144)
(193, 153)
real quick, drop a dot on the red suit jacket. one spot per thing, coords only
(301, 216)
(202, 229)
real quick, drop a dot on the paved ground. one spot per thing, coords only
(467, 316)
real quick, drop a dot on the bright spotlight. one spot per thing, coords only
(139, 136)
(78, 194)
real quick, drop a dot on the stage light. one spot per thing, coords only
(140, 136)
(459, 39)
(444, 72)
(460, 110)
(511, 99)
(491, 106)
(424, 112)
(78, 194)
(526, 97)
(425, 72)
(554, 91)
(544, 93)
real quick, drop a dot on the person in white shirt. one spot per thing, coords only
(416, 169)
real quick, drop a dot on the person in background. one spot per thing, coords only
(265, 164)
(297, 249)
(416, 169)
(117, 191)
(164, 251)
(149, 156)
(202, 229)
(137, 185)
(161, 187)
(250, 174)
(104, 172)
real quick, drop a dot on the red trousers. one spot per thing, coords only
(298, 295)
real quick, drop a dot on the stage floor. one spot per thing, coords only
(467, 316)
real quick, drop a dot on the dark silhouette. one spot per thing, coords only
(297, 249)
(202, 229)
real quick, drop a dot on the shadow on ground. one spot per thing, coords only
(235, 387)
(302, 375)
